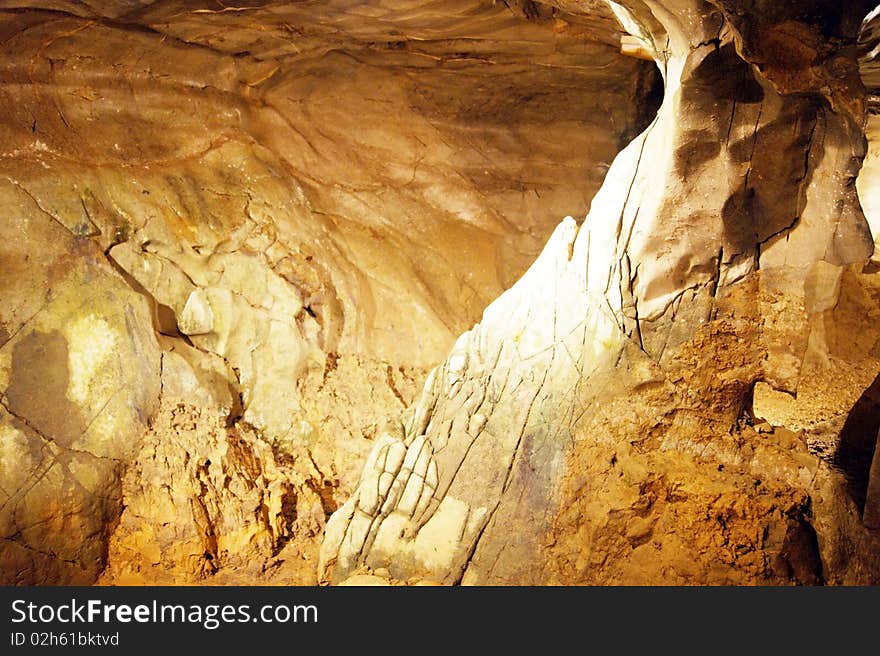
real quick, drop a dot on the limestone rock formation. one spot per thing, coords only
(228, 186)
(288, 299)
(79, 368)
(707, 265)
(201, 496)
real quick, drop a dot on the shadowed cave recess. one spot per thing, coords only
(454, 292)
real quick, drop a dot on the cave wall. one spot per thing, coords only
(599, 424)
(237, 240)
(231, 229)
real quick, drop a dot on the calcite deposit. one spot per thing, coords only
(463, 292)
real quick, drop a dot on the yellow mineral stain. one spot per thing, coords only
(91, 341)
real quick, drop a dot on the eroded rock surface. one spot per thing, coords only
(237, 241)
(710, 262)
(202, 497)
(306, 206)
(79, 367)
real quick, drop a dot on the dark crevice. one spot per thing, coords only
(858, 440)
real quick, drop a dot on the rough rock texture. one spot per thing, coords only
(203, 497)
(598, 425)
(236, 239)
(79, 367)
(305, 206)
(861, 421)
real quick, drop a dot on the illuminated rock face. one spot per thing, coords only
(80, 372)
(296, 211)
(239, 240)
(598, 425)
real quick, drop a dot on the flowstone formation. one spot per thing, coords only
(660, 398)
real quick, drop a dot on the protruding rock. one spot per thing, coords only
(196, 318)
